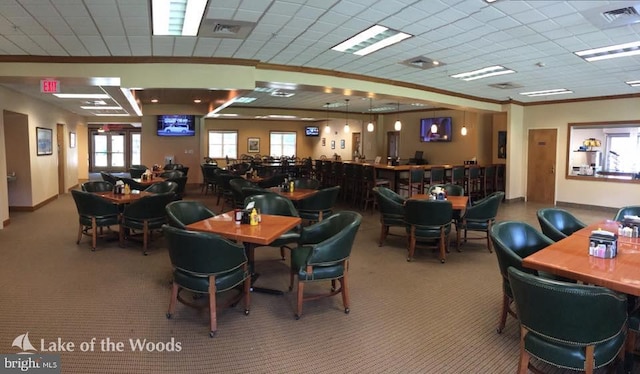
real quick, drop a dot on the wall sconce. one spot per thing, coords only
(398, 125)
(592, 142)
(346, 125)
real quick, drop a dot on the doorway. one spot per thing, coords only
(393, 141)
(541, 166)
(108, 151)
(356, 141)
(62, 157)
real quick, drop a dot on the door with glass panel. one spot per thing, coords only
(108, 152)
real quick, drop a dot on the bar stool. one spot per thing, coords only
(369, 182)
(436, 176)
(349, 182)
(472, 182)
(488, 180)
(500, 177)
(358, 181)
(415, 182)
(457, 175)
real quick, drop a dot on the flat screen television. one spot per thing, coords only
(442, 133)
(312, 131)
(176, 125)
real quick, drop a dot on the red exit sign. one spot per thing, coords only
(49, 86)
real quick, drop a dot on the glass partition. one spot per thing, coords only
(604, 151)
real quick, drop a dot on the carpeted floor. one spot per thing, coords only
(418, 317)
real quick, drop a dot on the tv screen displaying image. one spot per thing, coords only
(440, 133)
(312, 131)
(176, 125)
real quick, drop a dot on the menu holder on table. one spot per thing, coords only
(603, 244)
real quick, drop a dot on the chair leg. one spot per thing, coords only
(489, 244)
(589, 360)
(94, 233)
(412, 243)
(505, 309)
(523, 364)
(300, 299)
(443, 248)
(345, 292)
(174, 298)
(212, 306)
(384, 231)
(291, 276)
(282, 253)
(247, 291)
(80, 227)
(145, 237)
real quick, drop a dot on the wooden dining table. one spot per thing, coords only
(270, 228)
(149, 181)
(123, 198)
(570, 258)
(297, 194)
(458, 202)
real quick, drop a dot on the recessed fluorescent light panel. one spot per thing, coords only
(282, 116)
(558, 91)
(614, 51)
(81, 96)
(282, 94)
(177, 17)
(370, 40)
(101, 107)
(483, 73)
(633, 83)
(244, 100)
(333, 105)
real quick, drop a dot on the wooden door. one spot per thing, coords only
(393, 138)
(541, 167)
(62, 157)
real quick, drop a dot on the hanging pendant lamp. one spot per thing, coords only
(346, 125)
(327, 129)
(463, 130)
(398, 125)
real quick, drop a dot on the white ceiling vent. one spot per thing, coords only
(505, 85)
(218, 28)
(422, 62)
(617, 14)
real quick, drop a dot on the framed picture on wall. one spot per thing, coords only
(341, 143)
(253, 145)
(333, 144)
(502, 144)
(72, 140)
(324, 142)
(45, 141)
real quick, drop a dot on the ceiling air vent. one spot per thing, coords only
(505, 85)
(217, 28)
(421, 62)
(607, 17)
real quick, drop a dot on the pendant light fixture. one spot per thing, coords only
(370, 127)
(398, 125)
(434, 124)
(346, 125)
(327, 129)
(463, 130)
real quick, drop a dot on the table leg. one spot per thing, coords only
(250, 251)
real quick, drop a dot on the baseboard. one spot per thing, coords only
(32, 208)
(586, 206)
(74, 187)
(515, 200)
(6, 222)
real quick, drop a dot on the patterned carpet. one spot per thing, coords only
(418, 317)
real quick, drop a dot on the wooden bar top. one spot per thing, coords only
(264, 233)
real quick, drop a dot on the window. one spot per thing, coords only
(622, 152)
(282, 144)
(135, 149)
(223, 144)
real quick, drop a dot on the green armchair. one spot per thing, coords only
(109, 178)
(479, 217)
(279, 206)
(136, 171)
(631, 210)
(391, 206)
(145, 214)
(567, 325)
(94, 213)
(201, 270)
(306, 183)
(97, 186)
(323, 254)
(236, 186)
(451, 189)
(558, 223)
(319, 205)
(184, 212)
(428, 220)
(513, 241)
(163, 187)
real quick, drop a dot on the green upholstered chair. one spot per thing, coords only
(558, 223)
(251, 191)
(277, 205)
(479, 217)
(319, 205)
(436, 176)
(568, 325)
(323, 254)
(452, 189)
(94, 213)
(163, 187)
(109, 178)
(272, 181)
(175, 173)
(428, 220)
(414, 184)
(133, 184)
(306, 183)
(205, 263)
(145, 215)
(513, 241)
(631, 210)
(181, 183)
(97, 186)
(391, 206)
(236, 186)
(224, 190)
(136, 171)
(208, 177)
(184, 212)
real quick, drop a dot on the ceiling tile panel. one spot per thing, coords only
(205, 47)
(25, 44)
(95, 45)
(49, 44)
(110, 26)
(72, 45)
(26, 25)
(184, 46)
(137, 26)
(118, 45)
(162, 45)
(140, 45)
(71, 9)
(83, 26)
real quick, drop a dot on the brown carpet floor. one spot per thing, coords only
(418, 317)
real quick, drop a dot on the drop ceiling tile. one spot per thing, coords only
(23, 43)
(118, 45)
(72, 45)
(162, 45)
(75, 9)
(49, 44)
(111, 26)
(140, 45)
(205, 47)
(184, 46)
(247, 16)
(95, 45)
(83, 26)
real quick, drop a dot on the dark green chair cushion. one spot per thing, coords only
(557, 223)
(184, 212)
(91, 206)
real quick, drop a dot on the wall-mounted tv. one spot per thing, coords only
(176, 125)
(312, 131)
(442, 129)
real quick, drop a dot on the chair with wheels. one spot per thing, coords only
(109, 178)
(94, 214)
(97, 186)
(306, 183)
(391, 207)
(568, 325)
(558, 223)
(319, 205)
(170, 174)
(236, 186)
(322, 254)
(277, 205)
(479, 217)
(428, 220)
(631, 210)
(199, 269)
(145, 215)
(184, 212)
(163, 187)
(513, 241)
(136, 171)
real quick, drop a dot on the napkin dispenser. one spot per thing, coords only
(603, 244)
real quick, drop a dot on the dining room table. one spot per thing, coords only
(270, 228)
(569, 258)
(295, 195)
(457, 202)
(122, 199)
(148, 181)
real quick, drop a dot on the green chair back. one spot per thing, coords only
(631, 210)
(184, 212)
(97, 186)
(558, 223)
